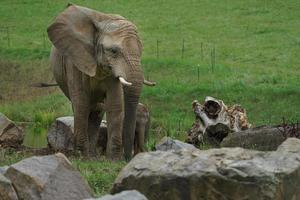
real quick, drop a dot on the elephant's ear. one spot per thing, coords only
(72, 33)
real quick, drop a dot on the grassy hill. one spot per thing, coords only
(245, 52)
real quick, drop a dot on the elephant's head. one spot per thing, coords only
(98, 44)
(102, 45)
(118, 48)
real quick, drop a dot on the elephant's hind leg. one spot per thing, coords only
(95, 119)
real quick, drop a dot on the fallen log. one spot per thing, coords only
(214, 121)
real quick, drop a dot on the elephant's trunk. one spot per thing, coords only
(131, 98)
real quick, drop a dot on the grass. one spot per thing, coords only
(257, 49)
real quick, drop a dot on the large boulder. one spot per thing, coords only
(7, 191)
(47, 178)
(125, 195)
(10, 134)
(168, 143)
(263, 138)
(225, 173)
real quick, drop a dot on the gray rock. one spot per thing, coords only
(7, 191)
(264, 138)
(3, 169)
(47, 178)
(125, 195)
(226, 173)
(10, 134)
(61, 134)
(168, 143)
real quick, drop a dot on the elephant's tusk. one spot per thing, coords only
(124, 82)
(149, 83)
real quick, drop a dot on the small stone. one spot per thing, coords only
(168, 143)
(3, 169)
(125, 195)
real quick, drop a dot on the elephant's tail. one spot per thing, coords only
(43, 85)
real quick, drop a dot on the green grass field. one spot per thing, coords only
(256, 45)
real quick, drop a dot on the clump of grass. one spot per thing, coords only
(8, 156)
(99, 174)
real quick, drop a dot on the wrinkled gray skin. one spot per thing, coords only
(142, 128)
(141, 131)
(92, 50)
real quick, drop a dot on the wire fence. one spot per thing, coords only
(180, 48)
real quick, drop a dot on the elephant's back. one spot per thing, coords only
(58, 67)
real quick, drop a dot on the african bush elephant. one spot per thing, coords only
(96, 57)
(141, 130)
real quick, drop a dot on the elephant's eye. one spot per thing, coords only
(114, 50)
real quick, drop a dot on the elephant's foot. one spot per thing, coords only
(114, 153)
(93, 153)
(84, 149)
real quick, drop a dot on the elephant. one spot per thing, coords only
(96, 58)
(141, 130)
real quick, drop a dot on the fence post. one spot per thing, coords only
(198, 72)
(157, 49)
(182, 49)
(8, 36)
(213, 58)
(44, 40)
(201, 45)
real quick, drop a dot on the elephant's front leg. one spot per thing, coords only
(115, 118)
(79, 94)
(81, 114)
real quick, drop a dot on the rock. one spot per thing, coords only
(225, 173)
(3, 169)
(61, 134)
(125, 195)
(47, 178)
(168, 143)
(263, 138)
(10, 134)
(7, 191)
(214, 134)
